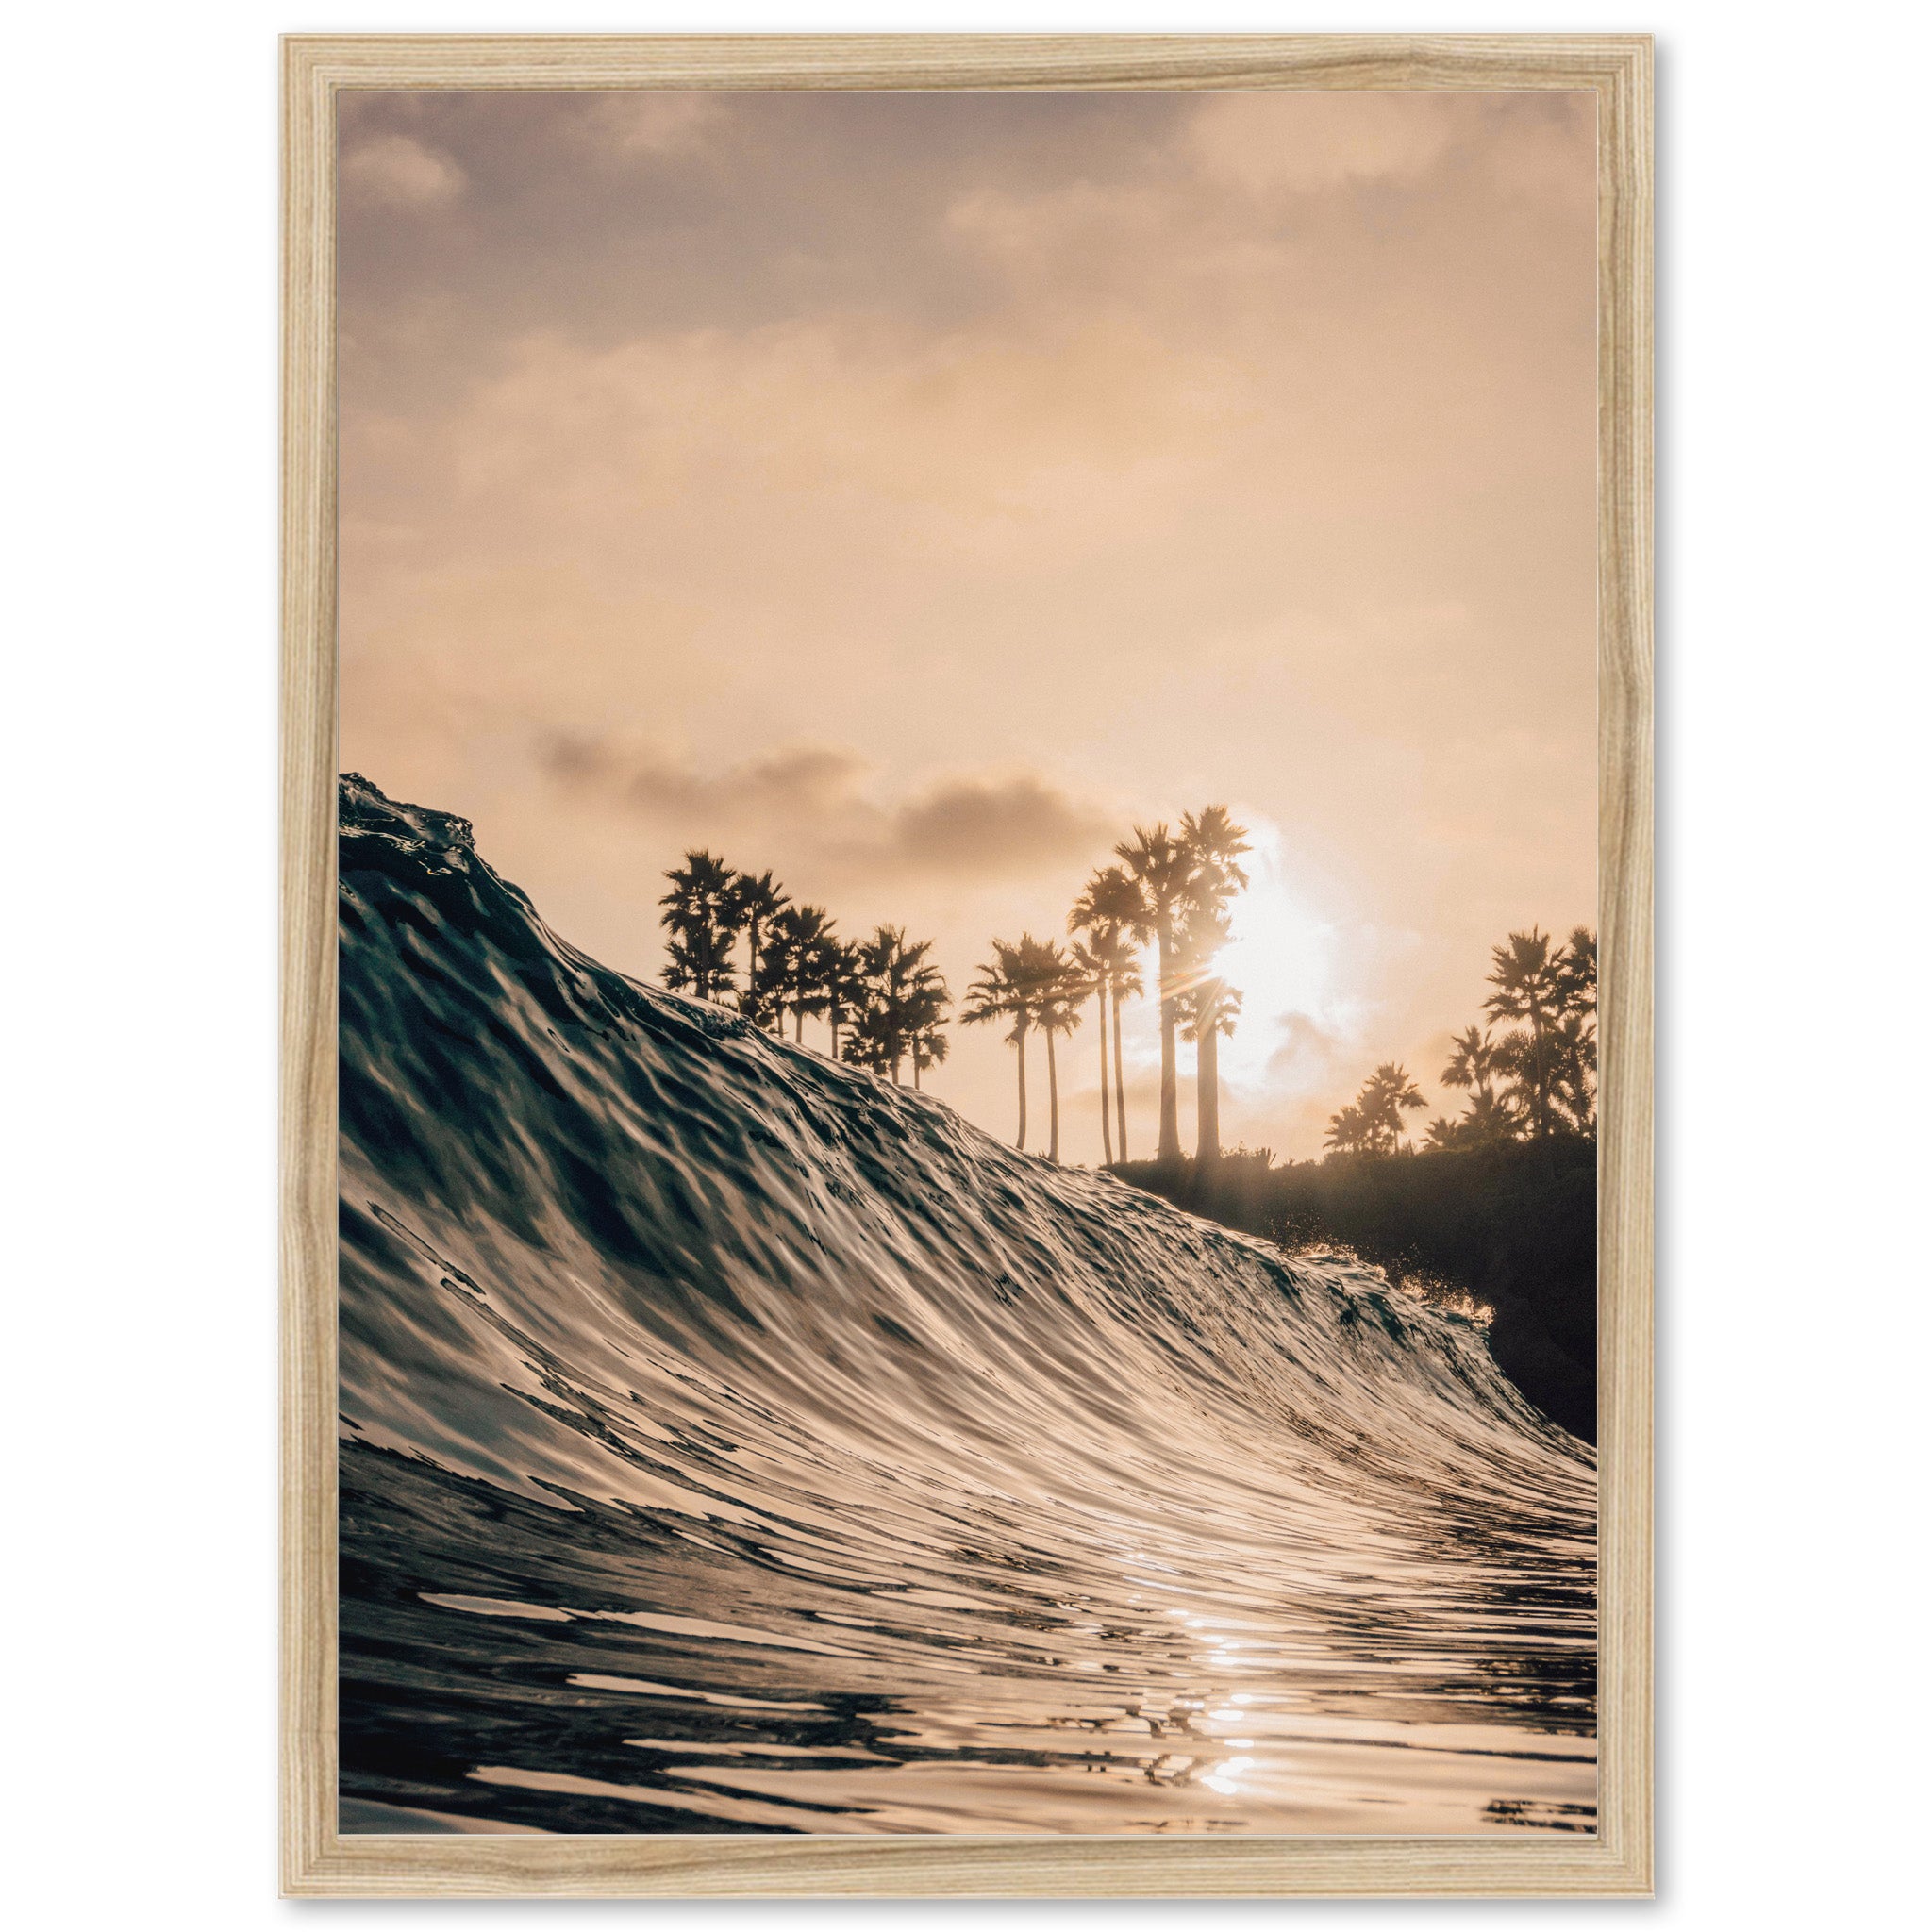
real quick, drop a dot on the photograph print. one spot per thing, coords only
(968, 833)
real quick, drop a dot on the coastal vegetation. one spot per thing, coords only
(1528, 1067)
(883, 1000)
(885, 1005)
(1495, 1213)
(1492, 1211)
(1505, 1230)
(1530, 1071)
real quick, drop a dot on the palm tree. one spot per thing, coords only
(1112, 913)
(1209, 1009)
(1218, 845)
(1530, 994)
(927, 1046)
(922, 1012)
(1031, 984)
(1474, 1061)
(1002, 993)
(1090, 967)
(836, 968)
(1057, 990)
(1487, 1121)
(760, 900)
(1471, 1063)
(790, 971)
(1348, 1133)
(1372, 1125)
(1127, 985)
(1387, 1094)
(1574, 1087)
(1577, 970)
(900, 993)
(1163, 867)
(702, 912)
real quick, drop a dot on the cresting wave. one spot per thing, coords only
(734, 1442)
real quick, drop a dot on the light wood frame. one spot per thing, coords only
(316, 1859)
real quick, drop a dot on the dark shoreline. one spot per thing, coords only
(1512, 1227)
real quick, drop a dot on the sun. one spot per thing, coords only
(1280, 958)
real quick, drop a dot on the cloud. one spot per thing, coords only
(872, 480)
(962, 827)
(963, 823)
(1306, 1055)
(393, 171)
(1331, 140)
(652, 122)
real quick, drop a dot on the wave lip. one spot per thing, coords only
(735, 1441)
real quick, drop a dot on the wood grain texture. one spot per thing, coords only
(316, 1860)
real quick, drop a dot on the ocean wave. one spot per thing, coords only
(735, 1441)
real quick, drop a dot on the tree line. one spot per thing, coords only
(886, 1003)
(882, 997)
(1529, 1069)
(1171, 890)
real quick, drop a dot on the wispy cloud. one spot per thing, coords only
(395, 171)
(975, 826)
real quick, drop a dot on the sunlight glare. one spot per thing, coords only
(1278, 958)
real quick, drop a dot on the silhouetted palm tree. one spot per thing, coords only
(1002, 993)
(1127, 985)
(1091, 968)
(922, 1013)
(1573, 1086)
(1471, 1063)
(928, 1047)
(1057, 990)
(1218, 845)
(836, 968)
(703, 914)
(1576, 972)
(1574, 1089)
(900, 992)
(790, 970)
(1529, 994)
(1208, 1008)
(1163, 868)
(1348, 1132)
(759, 899)
(1372, 1125)
(1111, 912)
(1486, 1122)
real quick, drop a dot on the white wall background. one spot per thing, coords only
(137, 1000)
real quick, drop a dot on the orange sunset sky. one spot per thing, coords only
(910, 493)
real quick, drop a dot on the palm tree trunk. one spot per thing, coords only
(1120, 1083)
(1052, 1102)
(1207, 1094)
(1169, 1151)
(915, 1069)
(1020, 1054)
(1106, 1129)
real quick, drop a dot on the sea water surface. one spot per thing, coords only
(735, 1442)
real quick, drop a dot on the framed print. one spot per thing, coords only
(966, 1106)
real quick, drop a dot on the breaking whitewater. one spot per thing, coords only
(736, 1442)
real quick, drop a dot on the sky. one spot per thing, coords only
(913, 492)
